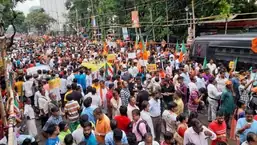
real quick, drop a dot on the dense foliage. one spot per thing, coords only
(7, 15)
(39, 19)
(153, 14)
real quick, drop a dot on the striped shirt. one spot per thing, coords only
(72, 110)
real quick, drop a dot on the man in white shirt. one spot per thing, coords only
(131, 106)
(221, 80)
(63, 88)
(198, 134)
(43, 101)
(30, 118)
(70, 77)
(212, 66)
(192, 84)
(89, 78)
(213, 99)
(155, 112)
(133, 70)
(200, 82)
(28, 88)
(168, 70)
(102, 91)
(186, 77)
(251, 139)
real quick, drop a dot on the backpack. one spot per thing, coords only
(148, 129)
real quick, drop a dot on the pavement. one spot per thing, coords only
(202, 117)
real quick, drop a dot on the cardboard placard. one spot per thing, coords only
(151, 67)
(132, 55)
(231, 64)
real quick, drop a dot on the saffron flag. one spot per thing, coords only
(254, 45)
(105, 49)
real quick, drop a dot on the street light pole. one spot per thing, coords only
(151, 16)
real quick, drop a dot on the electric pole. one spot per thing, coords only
(193, 11)
(77, 23)
(151, 16)
(167, 19)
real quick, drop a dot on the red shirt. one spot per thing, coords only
(123, 122)
(109, 95)
(220, 130)
(255, 117)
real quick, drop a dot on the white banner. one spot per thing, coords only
(125, 33)
(132, 55)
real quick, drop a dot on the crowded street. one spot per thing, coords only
(118, 72)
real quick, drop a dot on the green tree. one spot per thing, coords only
(161, 10)
(39, 19)
(19, 22)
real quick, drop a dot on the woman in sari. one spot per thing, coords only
(239, 113)
(182, 126)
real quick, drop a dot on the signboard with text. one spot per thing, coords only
(151, 67)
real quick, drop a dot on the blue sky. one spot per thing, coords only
(24, 7)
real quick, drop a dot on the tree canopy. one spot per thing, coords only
(6, 7)
(39, 19)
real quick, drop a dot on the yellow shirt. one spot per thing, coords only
(69, 92)
(180, 108)
(96, 87)
(19, 85)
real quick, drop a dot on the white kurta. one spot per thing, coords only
(103, 97)
(116, 106)
(31, 123)
(146, 116)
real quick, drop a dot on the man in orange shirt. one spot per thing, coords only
(102, 126)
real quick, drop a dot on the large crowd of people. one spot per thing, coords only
(79, 105)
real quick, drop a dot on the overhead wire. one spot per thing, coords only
(144, 24)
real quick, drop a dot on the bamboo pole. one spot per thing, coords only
(11, 119)
(3, 113)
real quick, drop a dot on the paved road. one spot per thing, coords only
(202, 117)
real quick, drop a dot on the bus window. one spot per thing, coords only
(228, 49)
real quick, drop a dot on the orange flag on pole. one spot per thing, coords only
(254, 45)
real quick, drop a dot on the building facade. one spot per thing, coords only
(57, 10)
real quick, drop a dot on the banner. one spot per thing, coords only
(125, 33)
(151, 67)
(95, 66)
(93, 21)
(54, 83)
(132, 55)
(135, 19)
